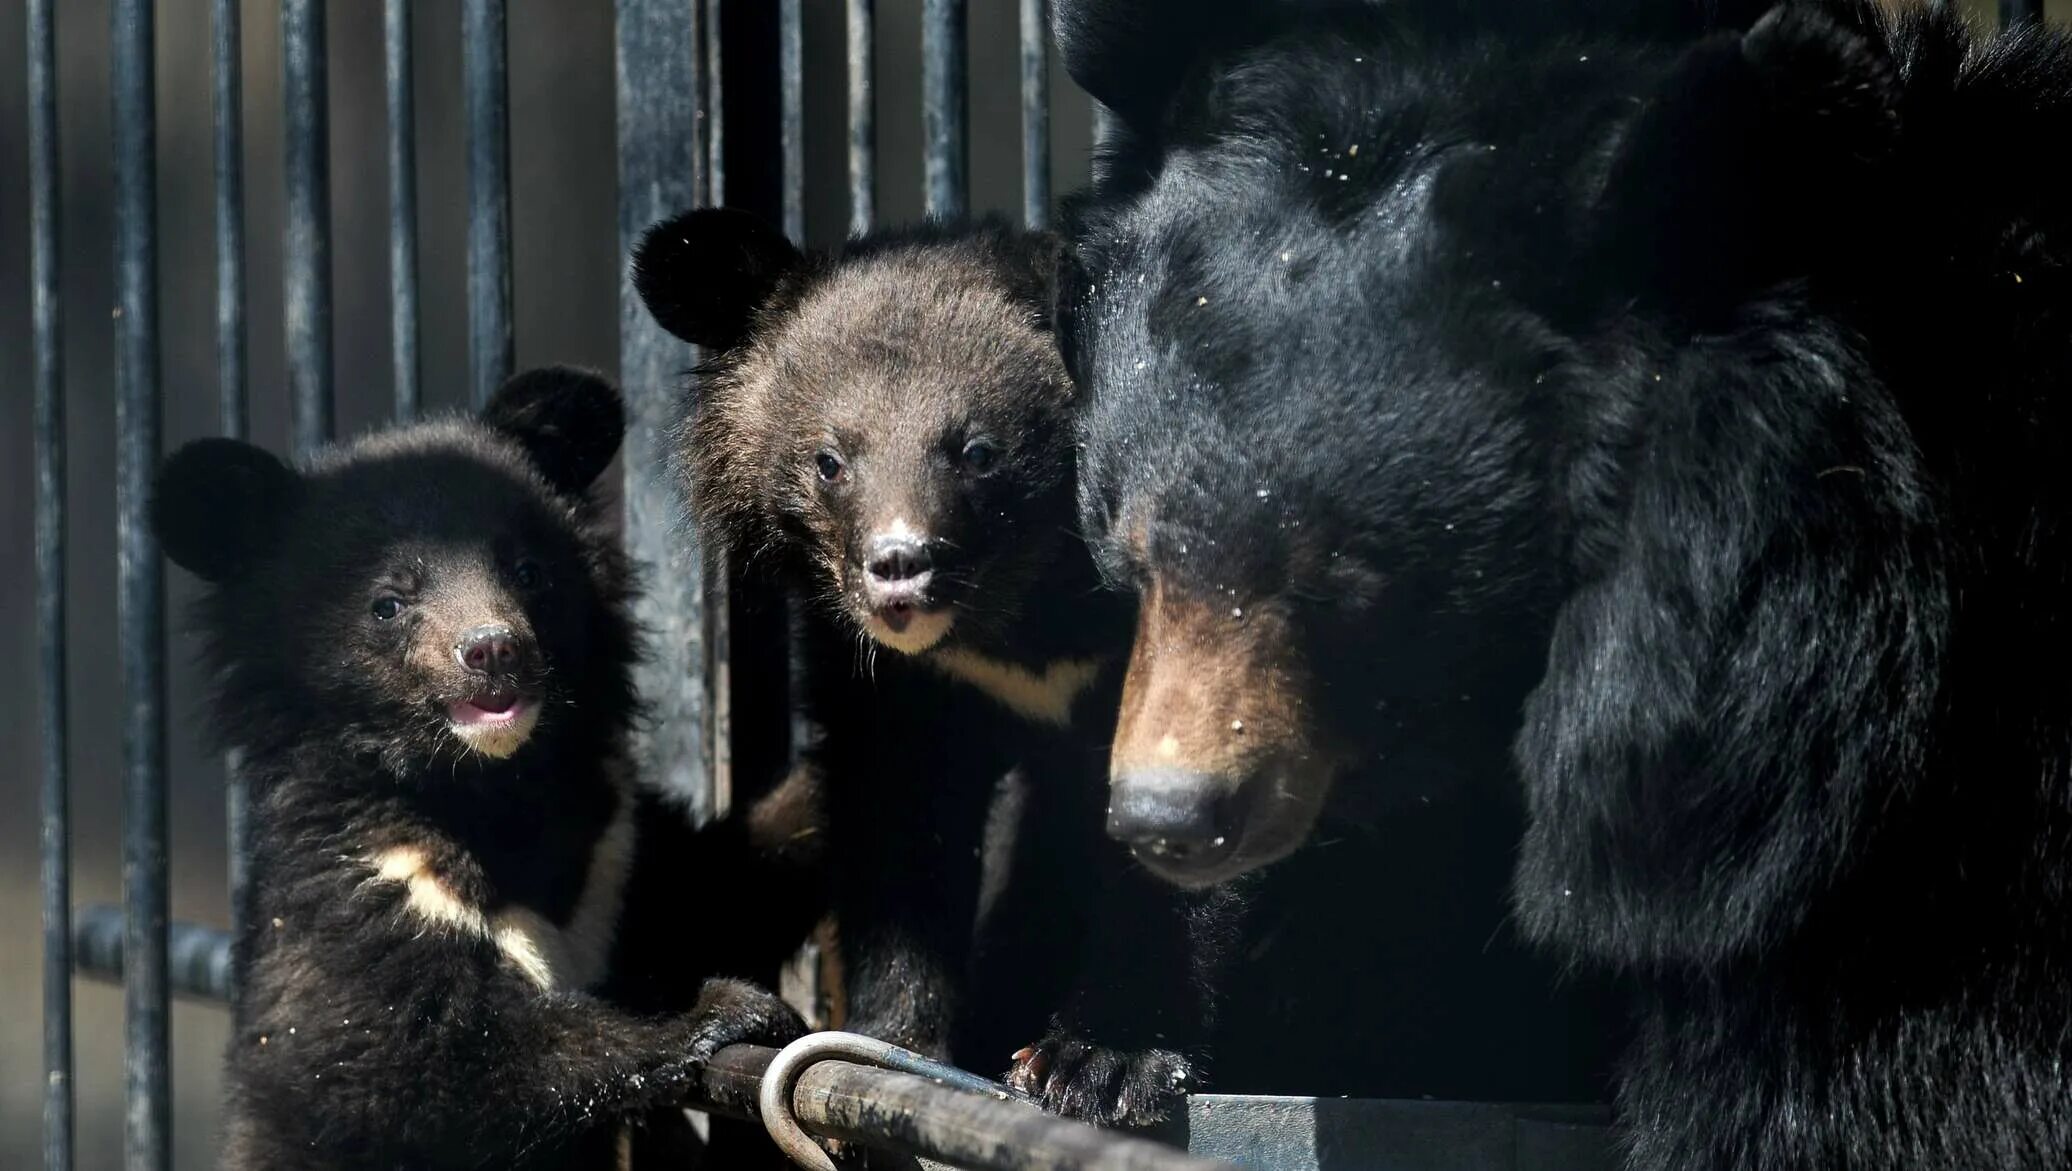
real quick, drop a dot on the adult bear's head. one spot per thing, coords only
(1372, 304)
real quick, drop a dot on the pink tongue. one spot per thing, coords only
(496, 704)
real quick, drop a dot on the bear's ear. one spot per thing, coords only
(1132, 55)
(1032, 269)
(568, 421)
(220, 504)
(704, 274)
(1750, 162)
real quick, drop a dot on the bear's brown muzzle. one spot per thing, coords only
(1214, 769)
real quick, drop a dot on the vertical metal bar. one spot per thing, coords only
(140, 597)
(399, 63)
(307, 260)
(791, 69)
(2013, 12)
(485, 53)
(715, 110)
(47, 326)
(709, 189)
(863, 115)
(657, 95)
(942, 108)
(228, 110)
(1036, 113)
(227, 100)
(701, 187)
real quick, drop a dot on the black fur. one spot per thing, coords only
(388, 1016)
(843, 401)
(1691, 400)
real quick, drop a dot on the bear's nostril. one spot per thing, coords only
(489, 649)
(1174, 814)
(898, 558)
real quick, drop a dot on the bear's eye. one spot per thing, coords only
(528, 575)
(830, 466)
(980, 456)
(387, 606)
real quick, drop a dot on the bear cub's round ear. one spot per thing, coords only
(220, 504)
(704, 274)
(569, 422)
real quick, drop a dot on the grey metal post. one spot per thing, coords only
(307, 256)
(791, 116)
(47, 326)
(863, 118)
(232, 409)
(1036, 113)
(658, 85)
(485, 52)
(943, 89)
(398, 62)
(140, 590)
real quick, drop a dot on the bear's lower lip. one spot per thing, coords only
(908, 628)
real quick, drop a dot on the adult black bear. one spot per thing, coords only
(887, 430)
(421, 644)
(1689, 402)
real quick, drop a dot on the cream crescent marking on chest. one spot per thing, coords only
(1045, 698)
(551, 957)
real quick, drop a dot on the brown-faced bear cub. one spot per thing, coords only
(887, 430)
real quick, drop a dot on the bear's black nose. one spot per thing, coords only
(898, 558)
(1173, 814)
(492, 650)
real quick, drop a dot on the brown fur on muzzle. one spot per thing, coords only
(1215, 712)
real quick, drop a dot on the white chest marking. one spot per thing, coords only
(1046, 698)
(567, 957)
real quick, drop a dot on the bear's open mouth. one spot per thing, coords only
(488, 708)
(493, 723)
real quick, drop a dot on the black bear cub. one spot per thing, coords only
(420, 643)
(888, 432)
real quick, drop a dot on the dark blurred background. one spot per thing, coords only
(566, 283)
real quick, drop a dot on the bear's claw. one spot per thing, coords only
(1105, 1087)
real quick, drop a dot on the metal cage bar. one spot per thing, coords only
(226, 47)
(485, 54)
(922, 1117)
(863, 116)
(657, 96)
(400, 88)
(943, 89)
(232, 392)
(715, 110)
(53, 730)
(791, 117)
(140, 590)
(198, 958)
(1035, 45)
(307, 253)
